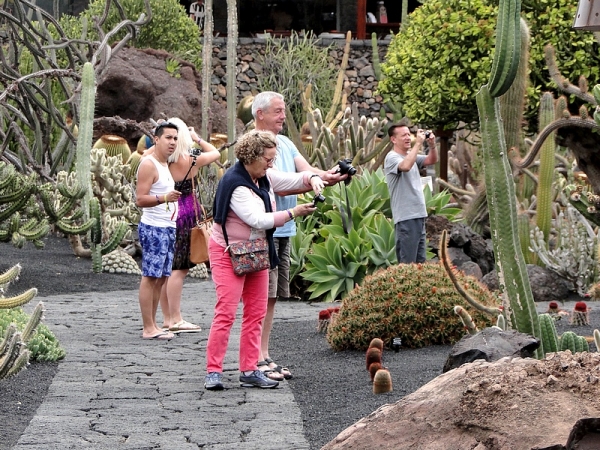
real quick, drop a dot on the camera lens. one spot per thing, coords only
(427, 134)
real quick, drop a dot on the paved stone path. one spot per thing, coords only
(116, 391)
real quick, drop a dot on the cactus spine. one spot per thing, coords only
(86, 131)
(498, 175)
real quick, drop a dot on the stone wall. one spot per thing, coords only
(360, 78)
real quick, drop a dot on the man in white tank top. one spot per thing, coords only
(156, 195)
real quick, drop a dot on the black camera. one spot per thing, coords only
(346, 167)
(427, 134)
(319, 198)
(195, 151)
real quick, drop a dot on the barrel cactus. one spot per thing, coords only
(412, 301)
(114, 145)
(119, 261)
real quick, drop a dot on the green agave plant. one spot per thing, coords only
(333, 262)
(438, 205)
(337, 265)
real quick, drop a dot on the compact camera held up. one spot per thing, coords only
(427, 134)
(195, 152)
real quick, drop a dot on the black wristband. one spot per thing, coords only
(314, 175)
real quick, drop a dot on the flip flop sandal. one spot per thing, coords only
(162, 336)
(185, 327)
(282, 370)
(272, 374)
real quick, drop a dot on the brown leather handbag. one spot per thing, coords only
(199, 236)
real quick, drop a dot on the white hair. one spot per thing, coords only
(263, 100)
(184, 139)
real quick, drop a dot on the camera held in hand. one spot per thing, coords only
(427, 134)
(319, 198)
(195, 152)
(346, 167)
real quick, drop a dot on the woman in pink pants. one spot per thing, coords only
(243, 210)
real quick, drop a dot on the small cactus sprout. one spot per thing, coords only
(373, 355)
(373, 368)
(501, 322)
(376, 343)
(382, 382)
(597, 339)
(323, 322)
(580, 315)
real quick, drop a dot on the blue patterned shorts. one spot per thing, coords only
(158, 244)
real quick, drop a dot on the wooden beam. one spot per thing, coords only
(361, 19)
(444, 136)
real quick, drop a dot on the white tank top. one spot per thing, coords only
(158, 216)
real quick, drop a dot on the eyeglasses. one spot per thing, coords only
(270, 161)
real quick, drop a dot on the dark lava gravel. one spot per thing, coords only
(333, 390)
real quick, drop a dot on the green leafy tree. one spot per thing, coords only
(170, 28)
(435, 65)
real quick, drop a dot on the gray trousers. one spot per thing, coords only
(411, 241)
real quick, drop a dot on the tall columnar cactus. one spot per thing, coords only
(513, 102)
(355, 137)
(545, 195)
(232, 40)
(519, 304)
(207, 49)
(508, 47)
(549, 334)
(86, 132)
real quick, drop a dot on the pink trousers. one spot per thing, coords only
(252, 290)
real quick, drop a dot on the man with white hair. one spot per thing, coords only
(268, 109)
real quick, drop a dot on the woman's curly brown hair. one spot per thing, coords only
(251, 146)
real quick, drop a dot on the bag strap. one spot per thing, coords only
(346, 213)
(194, 199)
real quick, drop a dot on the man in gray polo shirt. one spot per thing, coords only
(401, 167)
